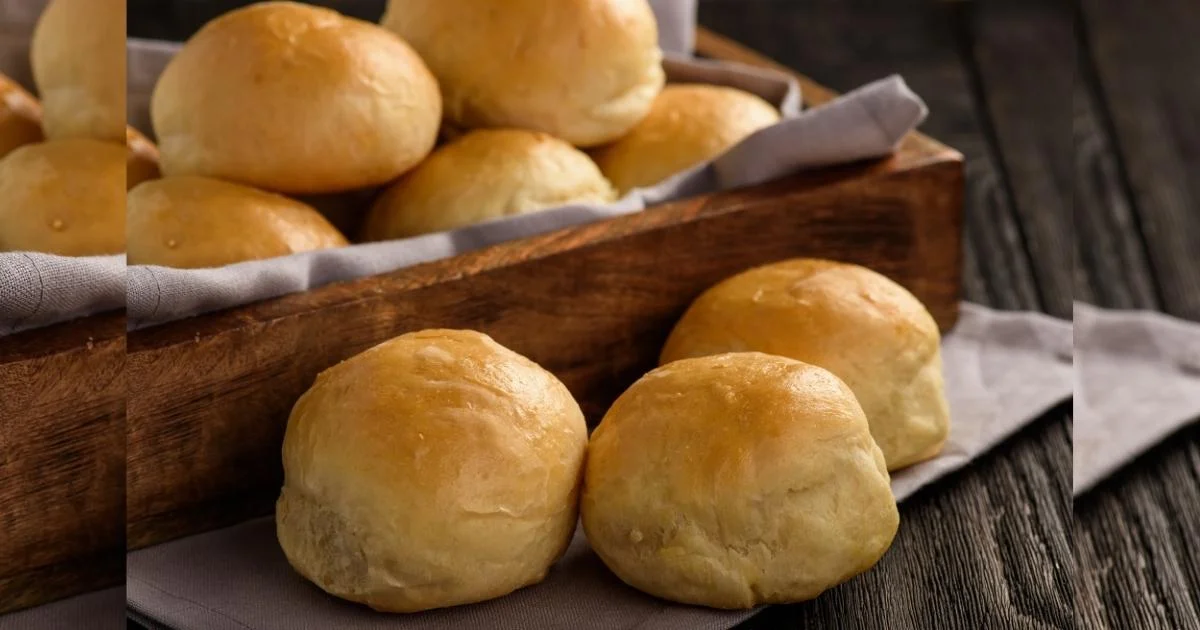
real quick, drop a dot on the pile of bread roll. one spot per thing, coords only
(285, 127)
(752, 467)
(64, 162)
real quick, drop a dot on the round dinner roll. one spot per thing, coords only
(436, 469)
(20, 117)
(194, 222)
(64, 197)
(689, 124)
(585, 71)
(78, 59)
(483, 175)
(737, 480)
(295, 99)
(854, 322)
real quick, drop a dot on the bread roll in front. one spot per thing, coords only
(64, 197)
(585, 71)
(854, 322)
(20, 117)
(78, 59)
(196, 222)
(688, 125)
(295, 99)
(436, 469)
(736, 480)
(483, 175)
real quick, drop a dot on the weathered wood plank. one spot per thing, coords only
(1030, 125)
(1135, 535)
(1146, 56)
(1111, 268)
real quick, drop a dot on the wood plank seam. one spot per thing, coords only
(1092, 82)
(964, 44)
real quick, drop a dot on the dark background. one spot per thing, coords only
(1080, 122)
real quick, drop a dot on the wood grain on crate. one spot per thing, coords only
(62, 457)
(592, 304)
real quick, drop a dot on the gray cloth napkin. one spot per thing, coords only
(1002, 371)
(40, 289)
(98, 610)
(1137, 381)
(865, 123)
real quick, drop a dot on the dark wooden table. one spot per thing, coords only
(1092, 103)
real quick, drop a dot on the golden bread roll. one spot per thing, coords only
(195, 222)
(295, 99)
(436, 469)
(63, 197)
(869, 331)
(143, 158)
(78, 59)
(689, 124)
(583, 70)
(483, 175)
(737, 480)
(20, 117)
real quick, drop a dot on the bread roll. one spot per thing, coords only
(78, 59)
(20, 117)
(295, 99)
(583, 70)
(194, 222)
(737, 480)
(866, 329)
(436, 469)
(143, 158)
(483, 175)
(63, 197)
(688, 125)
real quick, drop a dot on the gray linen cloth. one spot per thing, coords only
(1003, 369)
(866, 123)
(1137, 381)
(98, 610)
(40, 289)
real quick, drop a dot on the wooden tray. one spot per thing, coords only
(209, 396)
